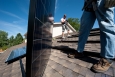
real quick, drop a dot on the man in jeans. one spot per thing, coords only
(105, 18)
(64, 26)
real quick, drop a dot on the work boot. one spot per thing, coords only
(102, 65)
(75, 55)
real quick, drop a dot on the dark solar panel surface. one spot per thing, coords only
(16, 54)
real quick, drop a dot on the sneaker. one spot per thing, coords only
(68, 35)
(63, 37)
(101, 66)
(75, 55)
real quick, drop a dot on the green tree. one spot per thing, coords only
(75, 23)
(18, 39)
(11, 41)
(3, 39)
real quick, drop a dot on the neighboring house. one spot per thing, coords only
(57, 29)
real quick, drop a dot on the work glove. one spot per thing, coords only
(109, 3)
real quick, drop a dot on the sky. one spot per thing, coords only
(14, 14)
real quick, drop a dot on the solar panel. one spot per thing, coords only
(16, 54)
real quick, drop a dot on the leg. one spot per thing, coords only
(87, 22)
(63, 29)
(67, 28)
(105, 17)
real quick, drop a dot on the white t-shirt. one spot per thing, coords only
(51, 18)
(63, 20)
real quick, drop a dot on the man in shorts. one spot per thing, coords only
(64, 26)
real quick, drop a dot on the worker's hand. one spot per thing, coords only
(109, 3)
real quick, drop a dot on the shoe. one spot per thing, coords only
(68, 35)
(102, 65)
(75, 55)
(63, 37)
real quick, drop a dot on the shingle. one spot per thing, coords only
(56, 75)
(12, 69)
(80, 75)
(114, 72)
(98, 75)
(108, 76)
(66, 63)
(89, 73)
(72, 66)
(63, 70)
(58, 67)
(67, 73)
(109, 71)
(83, 71)
(103, 75)
(84, 64)
(73, 74)
(77, 68)
(50, 73)
(113, 65)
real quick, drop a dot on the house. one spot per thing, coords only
(57, 30)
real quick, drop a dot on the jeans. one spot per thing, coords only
(105, 18)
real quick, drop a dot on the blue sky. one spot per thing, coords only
(14, 14)
(72, 8)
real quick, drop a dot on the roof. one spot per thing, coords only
(59, 65)
(12, 69)
(57, 23)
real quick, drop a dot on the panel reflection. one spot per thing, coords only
(42, 36)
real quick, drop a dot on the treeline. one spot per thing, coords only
(6, 42)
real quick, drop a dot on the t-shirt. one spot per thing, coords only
(63, 20)
(51, 18)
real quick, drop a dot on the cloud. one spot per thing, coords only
(11, 14)
(12, 28)
(56, 4)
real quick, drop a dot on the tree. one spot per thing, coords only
(3, 38)
(11, 41)
(75, 23)
(18, 39)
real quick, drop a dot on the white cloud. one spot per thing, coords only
(11, 14)
(12, 28)
(56, 4)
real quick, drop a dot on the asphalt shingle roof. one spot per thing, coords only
(59, 65)
(12, 69)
